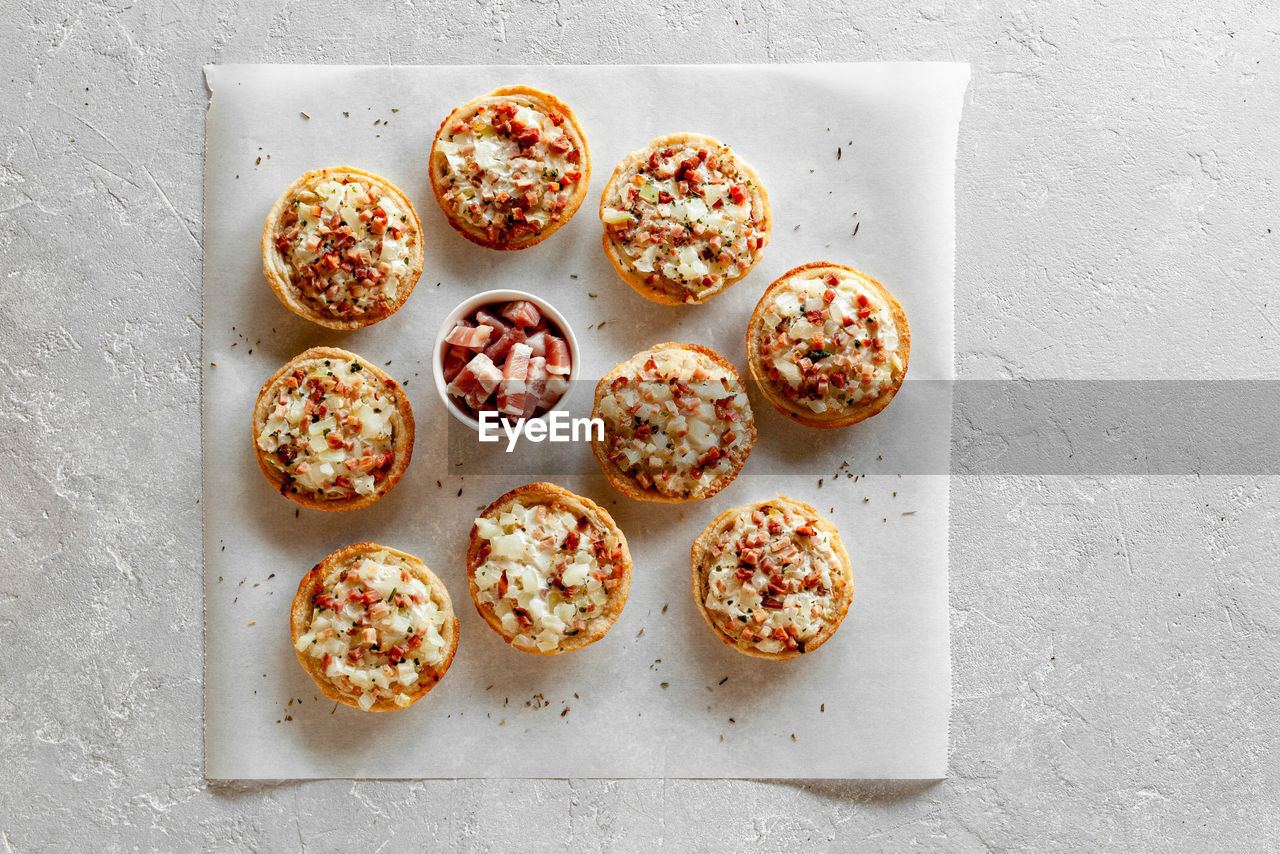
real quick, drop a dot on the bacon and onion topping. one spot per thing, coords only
(347, 246)
(508, 169)
(330, 432)
(375, 629)
(546, 573)
(686, 218)
(830, 341)
(773, 581)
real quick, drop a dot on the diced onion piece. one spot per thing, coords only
(613, 216)
(487, 529)
(802, 330)
(789, 372)
(714, 193)
(507, 546)
(575, 574)
(319, 427)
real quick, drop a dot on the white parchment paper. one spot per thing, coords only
(859, 161)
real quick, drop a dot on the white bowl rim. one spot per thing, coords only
(469, 306)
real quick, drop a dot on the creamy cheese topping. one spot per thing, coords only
(330, 432)
(348, 246)
(831, 341)
(687, 216)
(674, 422)
(375, 629)
(548, 572)
(774, 579)
(508, 168)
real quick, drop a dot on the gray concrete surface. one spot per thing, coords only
(1114, 638)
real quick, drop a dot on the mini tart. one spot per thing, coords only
(684, 218)
(828, 345)
(373, 627)
(342, 247)
(677, 424)
(510, 167)
(332, 431)
(548, 570)
(772, 578)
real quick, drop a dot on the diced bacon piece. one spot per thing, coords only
(476, 381)
(516, 366)
(470, 337)
(515, 372)
(725, 410)
(535, 385)
(522, 313)
(556, 387)
(538, 342)
(709, 458)
(558, 361)
(454, 361)
(497, 349)
(484, 318)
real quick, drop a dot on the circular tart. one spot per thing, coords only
(510, 167)
(677, 424)
(548, 570)
(684, 218)
(373, 627)
(342, 247)
(332, 431)
(772, 578)
(828, 345)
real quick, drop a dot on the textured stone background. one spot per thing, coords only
(1115, 638)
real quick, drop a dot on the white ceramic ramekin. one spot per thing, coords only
(469, 307)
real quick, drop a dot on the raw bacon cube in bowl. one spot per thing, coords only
(504, 351)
